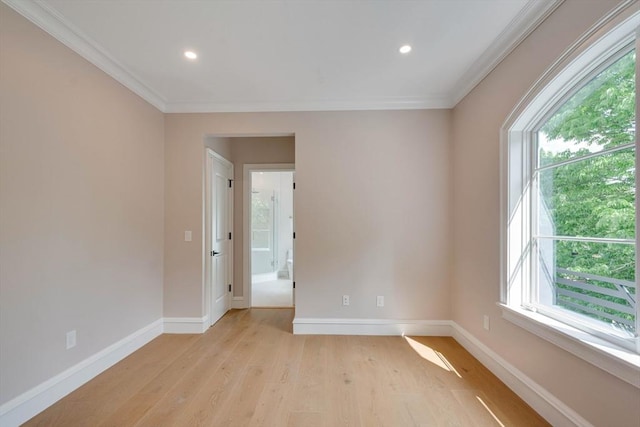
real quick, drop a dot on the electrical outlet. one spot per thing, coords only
(71, 339)
(380, 301)
(345, 299)
(485, 322)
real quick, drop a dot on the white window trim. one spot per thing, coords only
(608, 36)
(618, 361)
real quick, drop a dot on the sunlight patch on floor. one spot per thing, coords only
(431, 355)
(489, 410)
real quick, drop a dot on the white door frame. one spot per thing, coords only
(206, 228)
(246, 219)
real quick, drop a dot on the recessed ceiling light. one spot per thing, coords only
(405, 49)
(190, 54)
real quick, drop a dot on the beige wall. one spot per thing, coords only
(253, 150)
(220, 145)
(371, 206)
(81, 208)
(90, 202)
(599, 397)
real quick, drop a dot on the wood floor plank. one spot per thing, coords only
(404, 367)
(272, 408)
(311, 388)
(373, 383)
(209, 378)
(417, 407)
(445, 409)
(342, 401)
(474, 408)
(306, 419)
(249, 370)
(287, 366)
(260, 365)
(152, 395)
(95, 401)
(487, 387)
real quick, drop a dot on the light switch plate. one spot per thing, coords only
(187, 236)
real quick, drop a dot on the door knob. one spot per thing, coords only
(214, 253)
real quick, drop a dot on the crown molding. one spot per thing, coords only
(399, 103)
(529, 18)
(49, 20)
(58, 27)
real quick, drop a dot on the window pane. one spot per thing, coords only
(261, 219)
(590, 198)
(600, 115)
(596, 280)
(260, 239)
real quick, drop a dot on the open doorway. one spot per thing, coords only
(271, 227)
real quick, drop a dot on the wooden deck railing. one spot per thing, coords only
(610, 300)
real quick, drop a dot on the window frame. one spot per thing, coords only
(607, 42)
(575, 320)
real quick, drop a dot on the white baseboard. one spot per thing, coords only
(238, 302)
(186, 325)
(547, 405)
(36, 400)
(311, 326)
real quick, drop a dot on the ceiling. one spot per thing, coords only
(292, 55)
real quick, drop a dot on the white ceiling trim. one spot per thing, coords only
(48, 19)
(532, 15)
(57, 26)
(401, 103)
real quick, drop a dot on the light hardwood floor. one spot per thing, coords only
(249, 369)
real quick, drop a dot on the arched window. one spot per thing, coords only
(569, 249)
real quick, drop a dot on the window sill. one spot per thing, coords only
(615, 360)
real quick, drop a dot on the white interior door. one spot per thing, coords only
(219, 253)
